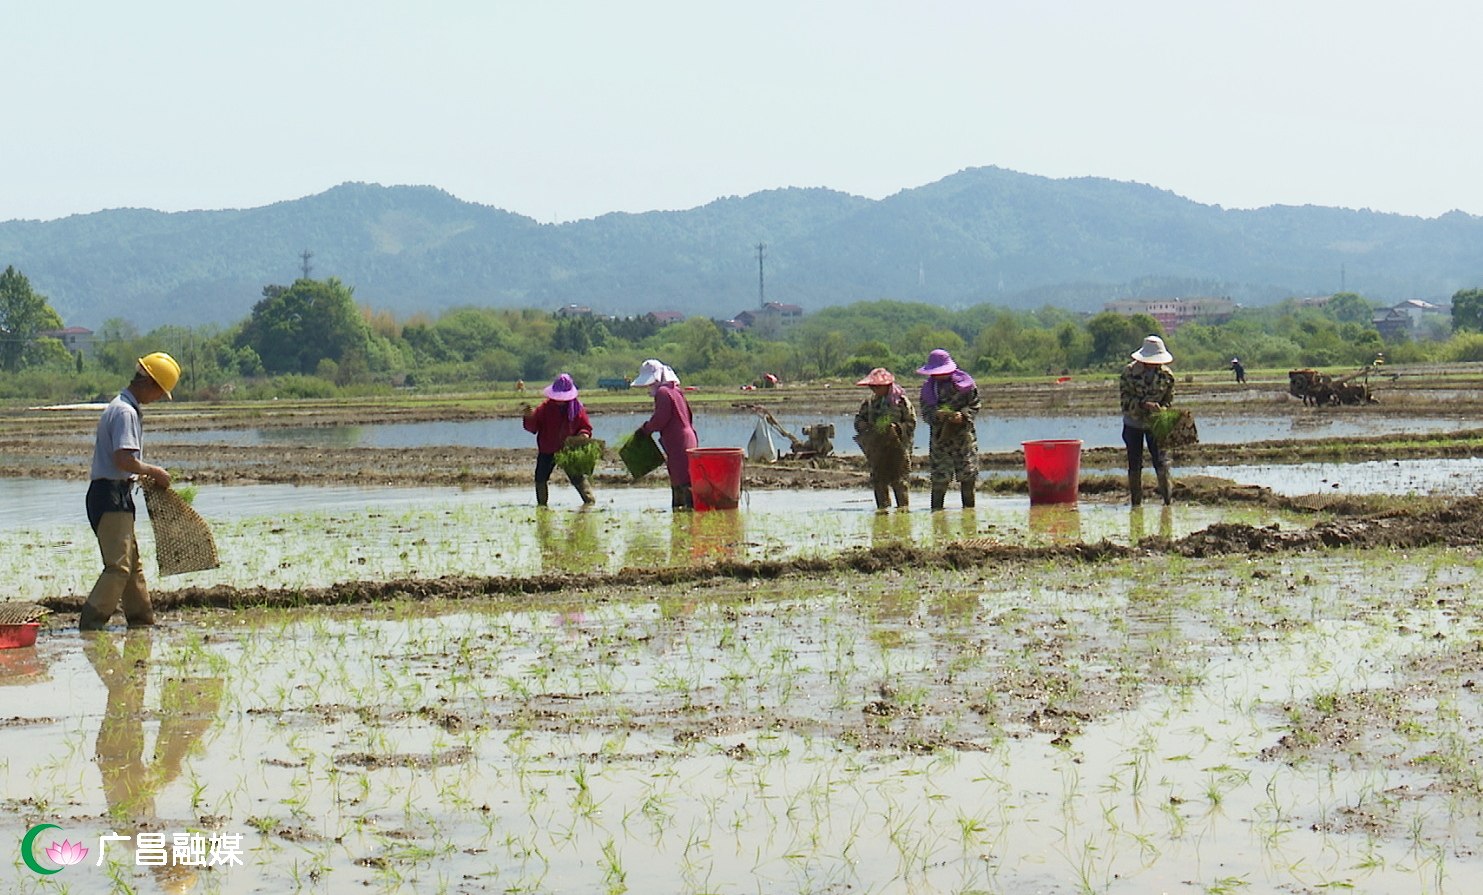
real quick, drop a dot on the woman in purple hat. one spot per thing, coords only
(559, 417)
(949, 404)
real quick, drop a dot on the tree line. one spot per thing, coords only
(312, 339)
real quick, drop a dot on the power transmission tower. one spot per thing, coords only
(761, 295)
(307, 267)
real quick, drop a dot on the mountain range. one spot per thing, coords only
(981, 235)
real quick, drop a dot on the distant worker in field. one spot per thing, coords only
(559, 422)
(949, 404)
(672, 422)
(885, 427)
(118, 459)
(1146, 387)
(1239, 370)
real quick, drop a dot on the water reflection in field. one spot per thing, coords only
(1106, 727)
(1450, 477)
(286, 536)
(995, 433)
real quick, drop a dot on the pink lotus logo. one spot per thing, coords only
(67, 854)
(64, 855)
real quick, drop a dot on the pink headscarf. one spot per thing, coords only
(961, 382)
(563, 389)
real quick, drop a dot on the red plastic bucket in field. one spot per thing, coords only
(716, 477)
(1054, 469)
(12, 636)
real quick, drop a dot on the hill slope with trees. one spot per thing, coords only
(982, 235)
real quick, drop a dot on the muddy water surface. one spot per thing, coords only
(1131, 728)
(1439, 477)
(1219, 714)
(995, 433)
(278, 536)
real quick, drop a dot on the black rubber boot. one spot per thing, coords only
(902, 500)
(939, 497)
(1166, 487)
(584, 489)
(882, 497)
(543, 493)
(970, 494)
(91, 619)
(1135, 484)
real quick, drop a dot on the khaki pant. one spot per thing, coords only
(122, 578)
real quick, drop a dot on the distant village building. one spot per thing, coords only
(1172, 313)
(772, 321)
(574, 311)
(664, 318)
(1404, 320)
(76, 339)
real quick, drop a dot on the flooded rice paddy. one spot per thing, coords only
(995, 433)
(1439, 477)
(265, 537)
(1297, 724)
(1147, 723)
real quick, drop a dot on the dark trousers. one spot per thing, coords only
(545, 464)
(109, 496)
(1135, 439)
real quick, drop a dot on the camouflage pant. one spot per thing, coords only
(953, 454)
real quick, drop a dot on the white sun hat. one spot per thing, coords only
(1153, 352)
(652, 371)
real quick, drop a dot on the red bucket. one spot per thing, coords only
(12, 636)
(1054, 469)
(716, 477)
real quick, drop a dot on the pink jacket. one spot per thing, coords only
(671, 420)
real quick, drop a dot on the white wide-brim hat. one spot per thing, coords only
(1153, 352)
(652, 371)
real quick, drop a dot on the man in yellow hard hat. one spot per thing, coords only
(117, 462)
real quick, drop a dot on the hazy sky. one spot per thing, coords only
(566, 110)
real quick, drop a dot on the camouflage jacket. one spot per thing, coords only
(951, 400)
(1139, 384)
(875, 408)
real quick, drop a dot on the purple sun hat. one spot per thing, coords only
(938, 362)
(563, 389)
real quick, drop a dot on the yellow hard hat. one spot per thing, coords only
(163, 369)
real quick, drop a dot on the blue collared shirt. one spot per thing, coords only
(118, 429)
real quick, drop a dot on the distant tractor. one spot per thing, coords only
(1322, 390)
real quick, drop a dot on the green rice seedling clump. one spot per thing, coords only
(579, 459)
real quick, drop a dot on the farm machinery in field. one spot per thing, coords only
(1321, 390)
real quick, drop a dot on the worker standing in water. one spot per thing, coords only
(950, 403)
(118, 460)
(885, 426)
(1146, 387)
(672, 422)
(558, 418)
